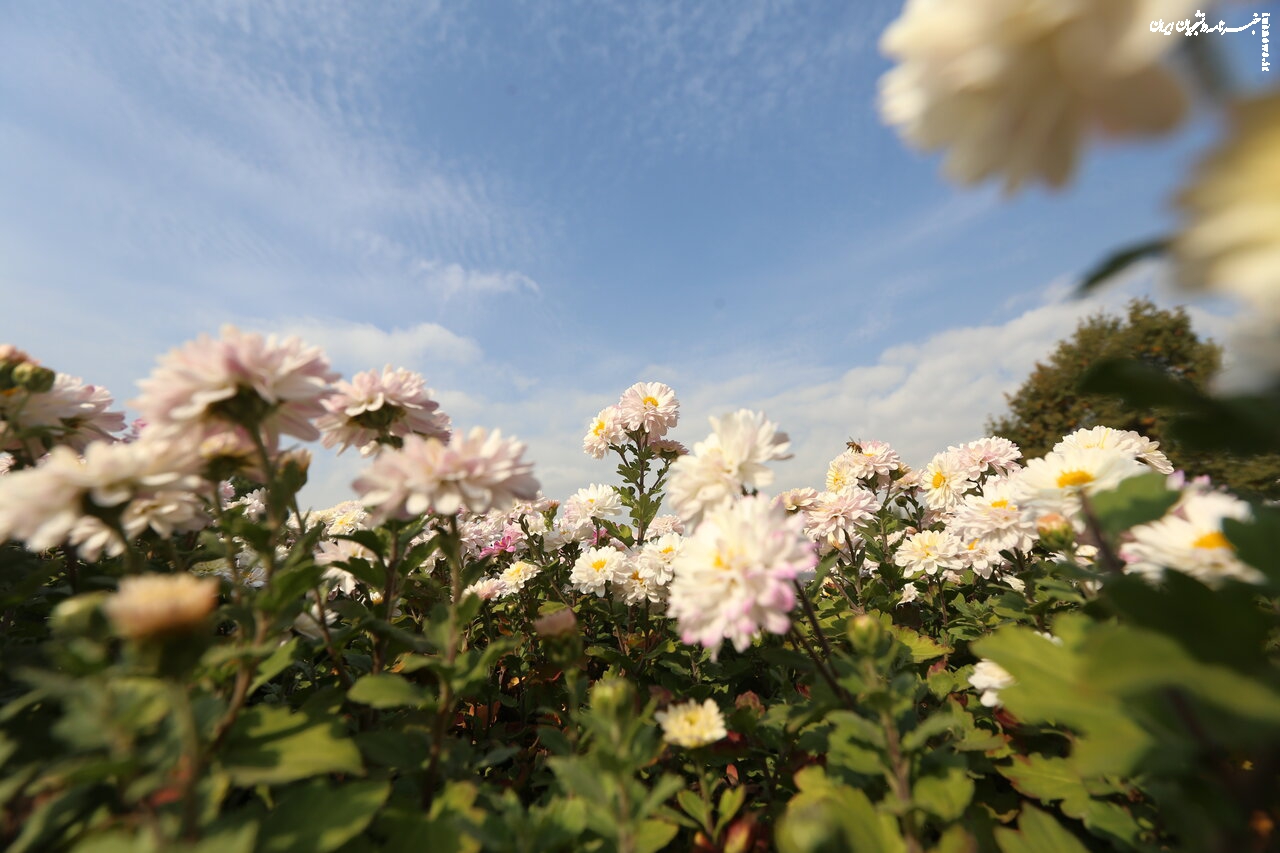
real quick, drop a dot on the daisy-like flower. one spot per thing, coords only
(839, 513)
(478, 471)
(734, 576)
(1135, 444)
(650, 407)
(519, 573)
(240, 378)
(995, 517)
(691, 725)
(147, 606)
(1055, 482)
(656, 557)
(115, 492)
(380, 408)
(992, 453)
(605, 429)
(989, 678)
(69, 413)
(794, 500)
(664, 524)
(929, 551)
(636, 587)
(1012, 88)
(1229, 242)
(947, 478)
(1190, 539)
(596, 567)
(345, 517)
(594, 501)
(732, 458)
(979, 555)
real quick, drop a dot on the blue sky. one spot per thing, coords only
(537, 204)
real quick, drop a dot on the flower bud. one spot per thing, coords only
(32, 377)
(612, 696)
(1056, 532)
(559, 623)
(865, 633)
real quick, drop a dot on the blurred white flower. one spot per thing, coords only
(1190, 539)
(1011, 89)
(376, 408)
(732, 458)
(691, 724)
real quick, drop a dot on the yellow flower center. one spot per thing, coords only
(938, 479)
(1074, 478)
(1211, 540)
(599, 564)
(1000, 504)
(597, 428)
(650, 402)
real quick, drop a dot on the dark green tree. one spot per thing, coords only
(1049, 404)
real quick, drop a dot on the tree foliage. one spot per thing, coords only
(1049, 403)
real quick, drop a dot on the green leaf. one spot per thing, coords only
(1120, 260)
(944, 796)
(1257, 542)
(826, 816)
(1137, 500)
(270, 745)
(1038, 833)
(922, 648)
(319, 817)
(694, 806)
(654, 835)
(278, 662)
(730, 804)
(388, 690)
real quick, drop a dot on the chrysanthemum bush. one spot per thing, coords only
(983, 652)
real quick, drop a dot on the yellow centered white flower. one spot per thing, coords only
(691, 724)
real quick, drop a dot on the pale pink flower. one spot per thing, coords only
(732, 458)
(650, 407)
(797, 499)
(239, 378)
(929, 551)
(839, 513)
(734, 576)
(376, 408)
(992, 453)
(665, 524)
(69, 413)
(478, 471)
(606, 429)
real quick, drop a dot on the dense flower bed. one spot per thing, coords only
(975, 654)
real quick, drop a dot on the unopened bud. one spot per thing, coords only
(560, 623)
(612, 696)
(33, 377)
(1056, 532)
(865, 632)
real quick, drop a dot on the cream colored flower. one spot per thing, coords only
(156, 605)
(1012, 88)
(691, 724)
(1230, 242)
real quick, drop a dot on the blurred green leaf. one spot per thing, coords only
(319, 817)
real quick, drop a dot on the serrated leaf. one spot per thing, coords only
(945, 795)
(1037, 833)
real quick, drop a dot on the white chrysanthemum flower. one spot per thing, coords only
(995, 517)
(253, 503)
(1190, 539)
(378, 408)
(1135, 444)
(158, 605)
(240, 378)
(882, 458)
(656, 557)
(649, 406)
(518, 574)
(70, 413)
(605, 429)
(839, 513)
(146, 484)
(344, 517)
(595, 567)
(594, 501)
(846, 470)
(635, 586)
(909, 594)
(1055, 482)
(478, 471)
(794, 500)
(981, 556)
(691, 725)
(1011, 88)
(734, 577)
(929, 551)
(947, 478)
(989, 678)
(1230, 243)
(732, 458)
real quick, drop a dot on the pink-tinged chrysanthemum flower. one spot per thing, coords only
(143, 485)
(69, 413)
(1189, 539)
(665, 524)
(486, 589)
(839, 513)
(239, 378)
(606, 429)
(649, 406)
(929, 551)
(734, 576)
(478, 471)
(992, 453)
(378, 408)
(730, 459)
(797, 499)
(1136, 445)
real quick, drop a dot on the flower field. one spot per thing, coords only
(986, 652)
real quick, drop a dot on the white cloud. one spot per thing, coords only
(353, 347)
(449, 280)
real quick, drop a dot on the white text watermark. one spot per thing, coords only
(1199, 25)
